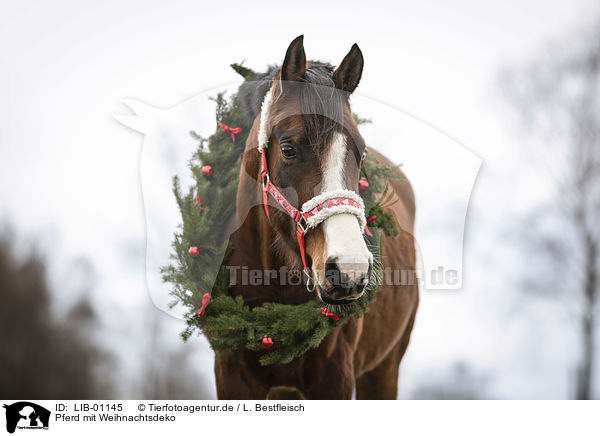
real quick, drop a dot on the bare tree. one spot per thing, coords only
(558, 102)
(43, 355)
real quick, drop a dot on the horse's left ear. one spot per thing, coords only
(347, 75)
(294, 64)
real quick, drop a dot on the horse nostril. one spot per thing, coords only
(362, 283)
(332, 272)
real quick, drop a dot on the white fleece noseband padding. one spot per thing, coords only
(344, 207)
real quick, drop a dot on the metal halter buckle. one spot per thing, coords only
(265, 180)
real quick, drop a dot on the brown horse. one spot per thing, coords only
(312, 147)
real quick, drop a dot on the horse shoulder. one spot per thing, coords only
(390, 316)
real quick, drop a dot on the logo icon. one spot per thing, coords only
(26, 415)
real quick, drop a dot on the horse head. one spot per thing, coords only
(311, 151)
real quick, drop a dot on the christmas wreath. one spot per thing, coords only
(281, 331)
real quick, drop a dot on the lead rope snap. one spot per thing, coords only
(309, 280)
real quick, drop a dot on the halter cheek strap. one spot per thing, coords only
(314, 211)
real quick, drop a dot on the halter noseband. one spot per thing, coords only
(314, 211)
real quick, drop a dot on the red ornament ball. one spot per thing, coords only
(363, 184)
(194, 252)
(267, 342)
(207, 171)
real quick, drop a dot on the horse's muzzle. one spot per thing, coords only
(344, 287)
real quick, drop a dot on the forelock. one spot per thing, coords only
(320, 103)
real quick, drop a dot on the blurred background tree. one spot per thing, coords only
(52, 352)
(42, 355)
(558, 104)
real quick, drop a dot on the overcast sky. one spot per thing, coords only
(70, 178)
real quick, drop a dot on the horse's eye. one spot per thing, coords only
(288, 151)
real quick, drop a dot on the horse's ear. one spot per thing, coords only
(294, 64)
(347, 75)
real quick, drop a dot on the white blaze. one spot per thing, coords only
(343, 234)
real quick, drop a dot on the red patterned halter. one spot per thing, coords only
(314, 211)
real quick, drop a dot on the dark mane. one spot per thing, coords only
(252, 92)
(321, 102)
